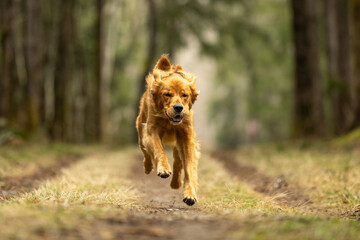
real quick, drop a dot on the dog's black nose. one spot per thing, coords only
(178, 108)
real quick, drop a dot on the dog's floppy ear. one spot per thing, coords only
(157, 76)
(194, 93)
(163, 63)
(191, 78)
(152, 78)
(154, 87)
(154, 81)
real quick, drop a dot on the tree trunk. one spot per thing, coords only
(62, 71)
(11, 84)
(102, 86)
(339, 64)
(51, 31)
(355, 27)
(331, 39)
(309, 117)
(346, 90)
(33, 61)
(7, 53)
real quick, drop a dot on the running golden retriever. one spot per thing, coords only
(166, 117)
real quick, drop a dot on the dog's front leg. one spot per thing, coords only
(190, 158)
(155, 146)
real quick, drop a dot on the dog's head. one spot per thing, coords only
(173, 90)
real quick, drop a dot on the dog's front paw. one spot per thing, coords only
(164, 173)
(190, 200)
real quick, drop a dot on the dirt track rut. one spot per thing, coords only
(285, 193)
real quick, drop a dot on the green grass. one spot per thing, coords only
(351, 139)
(329, 176)
(19, 160)
(298, 228)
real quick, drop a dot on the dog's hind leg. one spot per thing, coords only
(176, 181)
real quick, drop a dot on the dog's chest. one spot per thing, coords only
(169, 138)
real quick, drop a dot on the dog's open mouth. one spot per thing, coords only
(176, 119)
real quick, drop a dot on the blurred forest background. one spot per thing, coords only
(73, 70)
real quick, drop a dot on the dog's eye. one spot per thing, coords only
(184, 95)
(167, 95)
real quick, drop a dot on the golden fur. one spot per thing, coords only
(158, 123)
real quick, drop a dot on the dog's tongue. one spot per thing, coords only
(177, 118)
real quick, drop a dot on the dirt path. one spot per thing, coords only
(165, 214)
(108, 196)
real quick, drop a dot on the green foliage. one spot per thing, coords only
(256, 69)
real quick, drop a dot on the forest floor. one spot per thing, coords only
(258, 192)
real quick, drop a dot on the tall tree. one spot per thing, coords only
(355, 23)
(308, 110)
(63, 74)
(102, 83)
(339, 64)
(33, 61)
(12, 80)
(332, 45)
(346, 89)
(7, 54)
